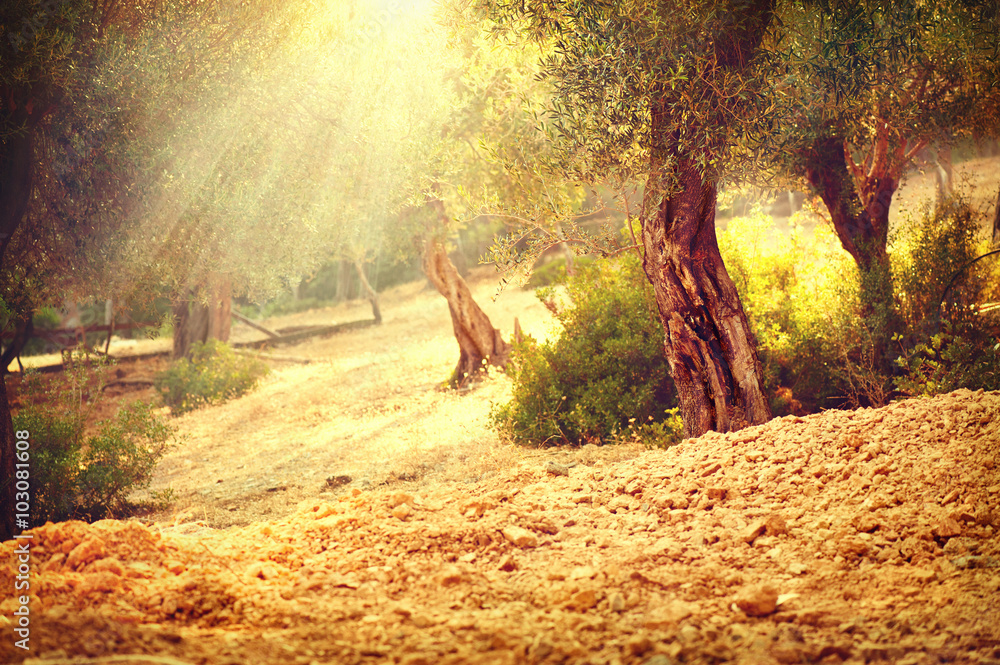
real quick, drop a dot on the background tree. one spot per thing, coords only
(876, 84)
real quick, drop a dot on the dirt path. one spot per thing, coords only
(369, 411)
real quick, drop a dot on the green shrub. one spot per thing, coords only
(605, 375)
(554, 272)
(948, 340)
(120, 459)
(56, 441)
(947, 362)
(80, 476)
(212, 375)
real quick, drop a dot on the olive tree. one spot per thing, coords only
(670, 96)
(873, 84)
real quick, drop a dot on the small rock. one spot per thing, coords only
(638, 645)
(668, 615)
(775, 525)
(583, 600)
(797, 568)
(751, 533)
(617, 602)
(946, 528)
(85, 552)
(951, 496)
(659, 659)
(967, 562)
(400, 498)
(402, 511)
(757, 601)
(717, 493)
(507, 563)
(557, 469)
(519, 537)
(450, 575)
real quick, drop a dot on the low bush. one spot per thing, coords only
(212, 375)
(554, 272)
(76, 475)
(948, 290)
(605, 376)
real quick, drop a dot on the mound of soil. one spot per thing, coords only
(864, 536)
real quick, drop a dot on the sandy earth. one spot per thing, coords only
(866, 536)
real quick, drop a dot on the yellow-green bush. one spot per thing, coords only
(212, 375)
(80, 476)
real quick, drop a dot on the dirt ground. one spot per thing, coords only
(349, 511)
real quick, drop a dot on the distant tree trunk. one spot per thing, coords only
(24, 328)
(369, 291)
(202, 314)
(709, 346)
(858, 203)
(479, 343)
(943, 172)
(343, 281)
(863, 229)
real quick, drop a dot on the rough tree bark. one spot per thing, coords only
(199, 320)
(479, 343)
(369, 292)
(711, 351)
(860, 221)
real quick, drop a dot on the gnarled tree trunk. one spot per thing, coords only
(861, 221)
(711, 351)
(479, 343)
(858, 198)
(202, 314)
(24, 328)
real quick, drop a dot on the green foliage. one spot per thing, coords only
(76, 475)
(120, 459)
(823, 331)
(947, 362)
(949, 340)
(605, 376)
(56, 441)
(554, 272)
(936, 252)
(212, 375)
